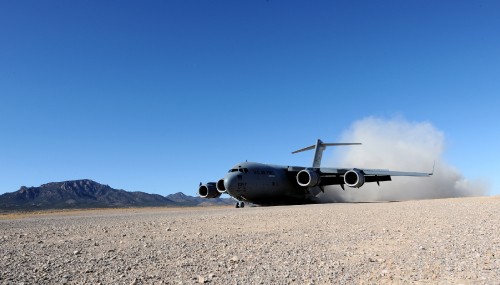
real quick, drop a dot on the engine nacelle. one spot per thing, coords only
(354, 178)
(308, 178)
(208, 190)
(220, 186)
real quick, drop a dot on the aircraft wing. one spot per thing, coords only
(374, 172)
(370, 172)
(353, 177)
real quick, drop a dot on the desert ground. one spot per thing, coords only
(447, 241)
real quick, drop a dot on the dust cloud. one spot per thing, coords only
(397, 144)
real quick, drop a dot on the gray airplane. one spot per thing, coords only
(267, 185)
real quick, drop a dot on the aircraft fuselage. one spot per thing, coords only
(263, 184)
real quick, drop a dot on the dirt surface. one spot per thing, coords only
(450, 241)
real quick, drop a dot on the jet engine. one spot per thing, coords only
(208, 190)
(354, 178)
(308, 178)
(220, 186)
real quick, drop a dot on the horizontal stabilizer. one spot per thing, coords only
(319, 147)
(324, 144)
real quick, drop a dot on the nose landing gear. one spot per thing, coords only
(239, 205)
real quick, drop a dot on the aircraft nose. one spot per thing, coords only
(230, 183)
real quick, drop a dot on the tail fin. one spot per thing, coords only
(319, 147)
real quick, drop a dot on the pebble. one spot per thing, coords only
(307, 244)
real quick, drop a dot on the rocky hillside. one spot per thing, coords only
(182, 199)
(86, 193)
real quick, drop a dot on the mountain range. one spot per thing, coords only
(85, 193)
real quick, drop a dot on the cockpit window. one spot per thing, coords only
(242, 170)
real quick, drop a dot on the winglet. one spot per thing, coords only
(433, 165)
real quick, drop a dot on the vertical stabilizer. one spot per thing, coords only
(318, 153)
(319, 147)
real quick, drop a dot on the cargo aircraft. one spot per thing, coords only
(268, 185)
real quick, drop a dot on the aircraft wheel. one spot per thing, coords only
(242, 204)
(237, 205)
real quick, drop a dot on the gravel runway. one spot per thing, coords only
(448, 241)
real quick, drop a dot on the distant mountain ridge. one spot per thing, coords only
(85, 193)
(182, 199)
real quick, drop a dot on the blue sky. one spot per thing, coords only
(157, 96)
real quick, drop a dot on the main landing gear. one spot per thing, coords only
(239, 205)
